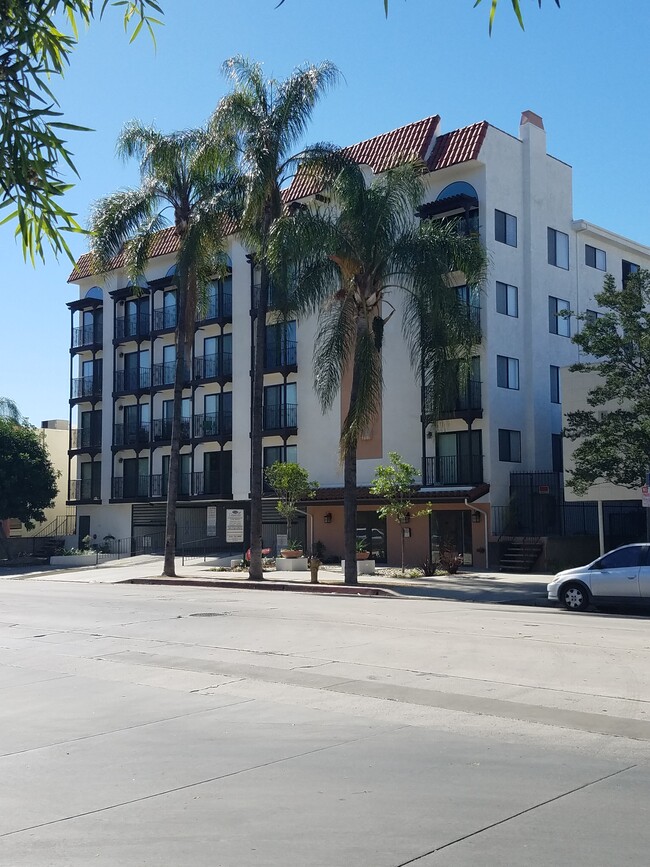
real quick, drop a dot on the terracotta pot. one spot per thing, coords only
(363, 555)
(290, 555)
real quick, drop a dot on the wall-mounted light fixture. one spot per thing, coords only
(476, 517)
(327, 517)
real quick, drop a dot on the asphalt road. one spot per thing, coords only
(182, 726)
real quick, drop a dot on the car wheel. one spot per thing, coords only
(574, 597)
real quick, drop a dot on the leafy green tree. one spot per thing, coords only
(9, 409)
(615, 445)
(396, 484)
(267, 120)
(192, 174)
(33, 49)
(292, 484)
(27, 477)
(350, 257)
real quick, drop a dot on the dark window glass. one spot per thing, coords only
(507, 372)
(505, 228)
(510, 445)
(558, 324)
(555, 384)
(628, 268)
(621, 559)
(595, 258)
(558, 249)
(556, 453)
(507, 299)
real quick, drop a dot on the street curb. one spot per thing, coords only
(331, 589)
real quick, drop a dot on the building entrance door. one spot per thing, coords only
(372, 529)
(451, 532)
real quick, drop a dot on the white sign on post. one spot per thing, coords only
(234, 525)
(212, 521)
(645, 496)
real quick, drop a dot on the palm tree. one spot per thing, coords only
(191, 174)
(350, 257)
(9, 410)
(266, 119)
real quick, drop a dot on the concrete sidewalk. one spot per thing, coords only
(468, 586)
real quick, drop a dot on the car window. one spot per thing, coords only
(620, 559)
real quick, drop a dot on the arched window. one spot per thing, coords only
(95, 292)
(458, 188)
(171, 271)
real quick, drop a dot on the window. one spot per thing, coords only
(507, 299)
(595, 258)
(458, 461)
(510, 445)
(555, 384)
(284, 454)
(628, 268)
(592, 316)
(507, 372)
(558, 249)
(556, 453)
(280, 406)
(557, 323)
(505, 228)
(624, 558)
(281, 345)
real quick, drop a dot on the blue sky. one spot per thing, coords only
(584, 68)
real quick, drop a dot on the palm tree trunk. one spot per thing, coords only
(169, 569)
(350, 491)
(255, 571)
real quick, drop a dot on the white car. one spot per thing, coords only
(622, 575)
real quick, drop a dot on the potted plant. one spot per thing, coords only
(292, 549)
(362, 549)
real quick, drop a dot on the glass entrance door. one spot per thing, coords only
(372, 530)
(451, 532)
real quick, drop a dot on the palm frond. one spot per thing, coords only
(364, 410)
(116, 218)
(334, 348)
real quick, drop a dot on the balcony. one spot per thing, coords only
(86, 387)
(473, 312)
(131, 434)
(444, 470)
(130, 381)
(467, 404)
(280, 357)
(125, 488)
(213, 424)
(217, 308)
(85, 438)
(159, 484)
(162, 429)
(280, 417)
(164, 374)
(86, 335)
(164, 318)
(209, 485)
(84, 490)
(136, 325)
(218, 366)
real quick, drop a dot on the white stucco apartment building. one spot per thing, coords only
(507, 420)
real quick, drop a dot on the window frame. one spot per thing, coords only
(592, 253)
(554, 318)
(554, 375)
(503, 294)
(553, 236)
(506, 454)
(508, 372)
(505, 228)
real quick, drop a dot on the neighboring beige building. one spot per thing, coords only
(620, 517)
(54, 435)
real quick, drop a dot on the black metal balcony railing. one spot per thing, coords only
(212, 424)
(210, 484)
(86, 386)
(159, 484)
(82, 490)
(163, 375)
(164, 318)
(279, 417)
(86, 335)
(133, 325)
(127, 381)
(454, 470)
(216, 308)
(213, 366)
(283, 355)
(86, 438)
(131, 434)
(474, 314)
(127, 487)
(468, 400)
(162, 429)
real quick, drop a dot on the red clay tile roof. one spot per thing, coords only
(458, 146)
(166, 242)
(412, 141)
